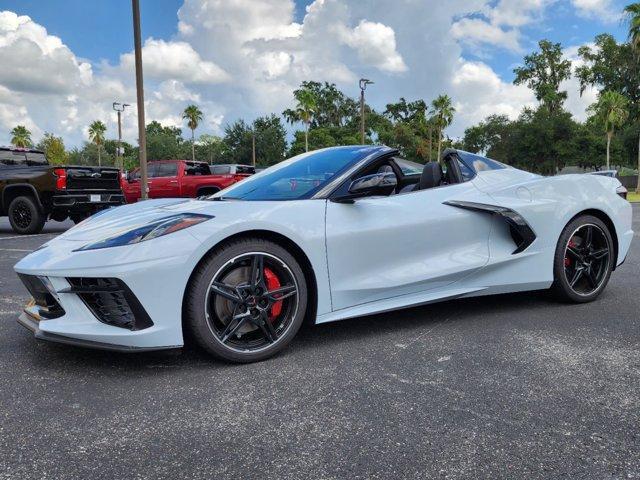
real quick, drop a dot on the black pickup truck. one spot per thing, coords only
(32, 191)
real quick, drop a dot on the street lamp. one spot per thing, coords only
(363, 86)
(119, 107)
(142, 133)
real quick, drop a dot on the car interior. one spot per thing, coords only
(411, 176)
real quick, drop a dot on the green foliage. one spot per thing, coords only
(53, 147)
(270, 139)
(442, 112)
(21, 137)
(210, 149)
(543, 72)
(632, 13)
(165, 143)
(610, 65)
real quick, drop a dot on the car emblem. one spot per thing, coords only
(96, 175)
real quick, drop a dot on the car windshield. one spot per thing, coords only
(297, 178)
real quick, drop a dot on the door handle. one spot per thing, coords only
(173, 181)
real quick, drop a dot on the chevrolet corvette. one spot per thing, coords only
(327, 235)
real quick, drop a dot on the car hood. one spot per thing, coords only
(117, 220)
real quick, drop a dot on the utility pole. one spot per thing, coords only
(142, 133)
(119, 108)
(253, 147)
(363, 86)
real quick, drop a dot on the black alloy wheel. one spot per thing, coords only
(584, 259)
(25, 216)
(247, 301)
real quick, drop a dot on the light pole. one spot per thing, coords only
(142, 133)
(119, 108)
(363, 86)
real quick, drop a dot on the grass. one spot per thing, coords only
(633, 196)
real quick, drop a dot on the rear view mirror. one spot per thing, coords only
(381, 183)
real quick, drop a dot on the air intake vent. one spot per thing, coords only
(111, 301)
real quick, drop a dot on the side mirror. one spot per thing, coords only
(381, 183)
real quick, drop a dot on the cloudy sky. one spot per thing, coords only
(65, 61)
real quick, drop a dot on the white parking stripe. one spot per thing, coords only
(27, 236)
(14, 250)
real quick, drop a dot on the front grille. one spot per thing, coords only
(48, 306)
(111, 301)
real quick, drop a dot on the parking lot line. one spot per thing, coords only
(14, 250)
(22, 236)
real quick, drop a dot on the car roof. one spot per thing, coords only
(20, 149)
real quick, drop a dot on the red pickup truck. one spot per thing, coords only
(182, 178)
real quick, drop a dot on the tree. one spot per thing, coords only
(306, 105)
(611, 112)
(210, 148)
(21, 137)
(165, 143)
(53, 148)
(488, 135)
(543, 72)
(443, 111)
(238, 142)
(632, 12)
(96, 135)
(271, 139)
(194, 116)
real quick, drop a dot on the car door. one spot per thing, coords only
(383, 247)
(165, 181)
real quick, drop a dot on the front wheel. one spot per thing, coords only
(583, 260)
(246, 301)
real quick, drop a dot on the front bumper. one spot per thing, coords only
(155, 272)
(30, 319)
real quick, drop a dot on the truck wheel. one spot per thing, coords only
(25, 216)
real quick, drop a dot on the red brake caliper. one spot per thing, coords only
(272, 283)
(567, 260)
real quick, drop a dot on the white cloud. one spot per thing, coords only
(176, 60)
(499, 25)
(376, 45)
(243, 58)
(603, 10)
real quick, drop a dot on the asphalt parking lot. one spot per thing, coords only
(514, 386)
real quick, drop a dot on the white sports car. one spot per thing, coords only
(328, 235)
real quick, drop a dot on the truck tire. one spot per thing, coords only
(25, 216)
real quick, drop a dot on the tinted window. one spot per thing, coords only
(36, 158)
(8, 157)
(297, 178)
(152, 169)
(167, 170)
(478, 163)
(221, 169)
(409, 168)
(197, 169)
(467, 173)
(242, 169)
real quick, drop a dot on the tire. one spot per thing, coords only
(25, 216)
(582, 265)
(239, 320)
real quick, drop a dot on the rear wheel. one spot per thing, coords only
(247, 301)
(25, 216)
(584, 260)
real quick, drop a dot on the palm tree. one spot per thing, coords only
(96, 135)
(442, 110)
(194, 116)
(305, 108)
(632, 13)
(21, 137)
(611, 112)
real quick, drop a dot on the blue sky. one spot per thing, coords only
(243, 59)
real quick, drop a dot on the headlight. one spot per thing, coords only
(154, 229)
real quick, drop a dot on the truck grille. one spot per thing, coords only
(111, 301)
(79, 178)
